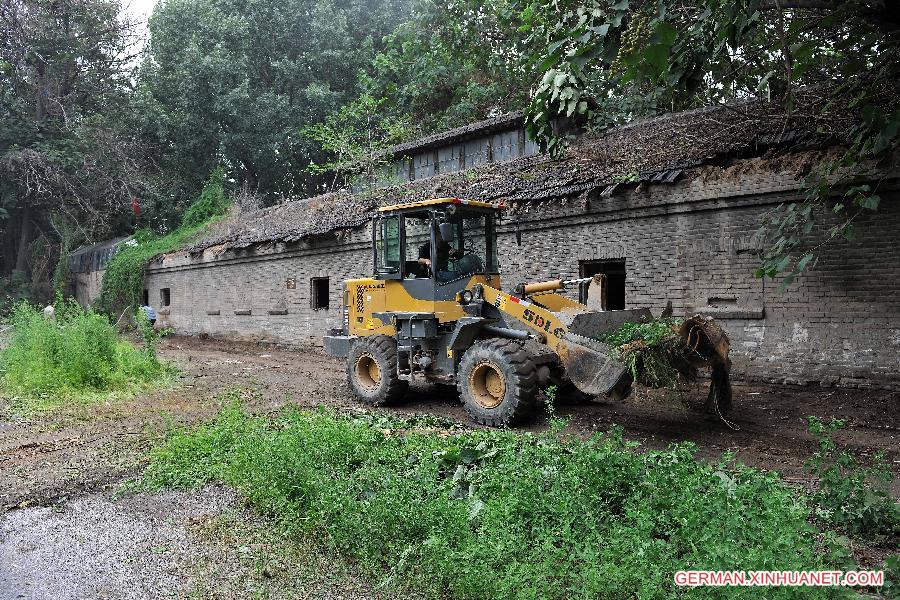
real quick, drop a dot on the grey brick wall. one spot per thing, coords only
(693, 243)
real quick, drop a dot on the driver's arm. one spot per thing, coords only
(425, 254)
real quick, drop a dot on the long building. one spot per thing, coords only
(668, 208)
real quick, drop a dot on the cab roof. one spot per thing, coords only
(439, 202)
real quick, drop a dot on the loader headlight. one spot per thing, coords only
(465, 297)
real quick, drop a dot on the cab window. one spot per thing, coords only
(387, 245)
(466, 245)
(418, 244)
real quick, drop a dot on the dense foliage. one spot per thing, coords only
(94, 130)
(355, 139)
(99, 138)
(851, 495)
(234, 82)
(67, 168)
(451, 63)
(48, 361)
(546, 516)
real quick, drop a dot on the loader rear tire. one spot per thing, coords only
(372, 371)
(497, 382)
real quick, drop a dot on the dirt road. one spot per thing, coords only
(63, 466)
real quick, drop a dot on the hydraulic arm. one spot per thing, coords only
(587, 361)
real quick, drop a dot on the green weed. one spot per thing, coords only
(211, 203)
(499, 514)
(851, 495)
(76, 356)
(148, 332)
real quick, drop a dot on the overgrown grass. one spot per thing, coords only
(123, 281)
(851, 495)
(76, 356)
(499, 514)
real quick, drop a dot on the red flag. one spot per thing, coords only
(135, 206)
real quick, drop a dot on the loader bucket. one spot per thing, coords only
(589, 362)
(590, 366)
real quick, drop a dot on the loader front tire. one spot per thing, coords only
(372, 371)
(497, 383)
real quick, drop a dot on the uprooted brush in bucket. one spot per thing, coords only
(667, 351)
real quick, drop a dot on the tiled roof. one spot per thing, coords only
(654, 149)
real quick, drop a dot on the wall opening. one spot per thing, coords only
(145, 299)
(319, 292)
(165, 297)
(614, 269)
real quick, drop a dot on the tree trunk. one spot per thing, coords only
(24, 240)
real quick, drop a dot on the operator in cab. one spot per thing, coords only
(441, 265)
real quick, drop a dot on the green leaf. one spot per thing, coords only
(801, 265)
(781, 264)
(870, 202)
(560, 79)
(666, 34)
(787, 281)
(657, 56)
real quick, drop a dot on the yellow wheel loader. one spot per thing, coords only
(435, 310)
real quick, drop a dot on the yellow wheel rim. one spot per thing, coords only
(367, 372)
(488, 385)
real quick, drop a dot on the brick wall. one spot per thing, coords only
(693, 243)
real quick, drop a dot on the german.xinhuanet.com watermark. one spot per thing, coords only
(779, 578)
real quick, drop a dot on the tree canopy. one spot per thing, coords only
(66, 170)
(98, 139)
(233, 82)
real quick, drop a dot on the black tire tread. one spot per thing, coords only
(384, 349)
(513, 410)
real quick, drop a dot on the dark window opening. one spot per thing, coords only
(165, 297)
(319, 292)
(146, 298)
(614, 269)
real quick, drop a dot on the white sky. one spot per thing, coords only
(140, 11)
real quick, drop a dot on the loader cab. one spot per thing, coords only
(435, 244)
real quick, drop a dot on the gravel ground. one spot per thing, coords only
(172, 544)
(95, 548)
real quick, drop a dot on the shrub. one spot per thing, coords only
(123, 281)
(499, 514)
(211, 203)
(13, 289)
(851, 495)
(148, 332)
(77, 352)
